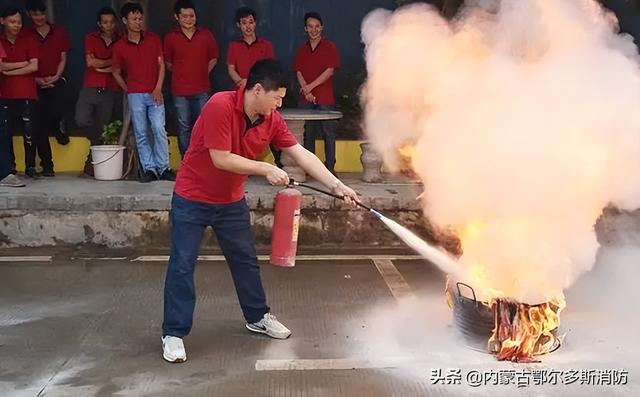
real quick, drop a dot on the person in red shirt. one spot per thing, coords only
(231, 132)
(315, 63)
(52, 85)
(138, 54)
(190, 53)
(95, 103)
(7, 179)
(246, 51)
(18, 87)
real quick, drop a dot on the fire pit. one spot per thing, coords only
(511, 330)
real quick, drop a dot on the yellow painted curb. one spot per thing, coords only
(71, 157)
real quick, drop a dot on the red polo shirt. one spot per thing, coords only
(2, 56)
(23, 86)
(51, 48)
(311, 63)
(139, 62)
(223, 125)
(243, 55)
(189, 59)
(95, 45)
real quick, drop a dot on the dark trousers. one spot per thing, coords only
(5, 145)
(325, 129)
(231, 224)
(49, 114)
(20, 116)
(51, 107)
(94, 109)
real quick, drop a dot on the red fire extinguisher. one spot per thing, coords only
(286, 222)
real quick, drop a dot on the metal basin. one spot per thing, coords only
(474, 320)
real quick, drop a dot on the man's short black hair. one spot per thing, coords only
(313, 15)
(36, 5)
(244, 12)
(9, 11)
(269, 74)
(129, 8)
(106, 11)
(183, 4)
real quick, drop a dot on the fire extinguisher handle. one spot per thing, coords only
(293, 183)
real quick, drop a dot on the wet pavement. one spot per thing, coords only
(83, 322)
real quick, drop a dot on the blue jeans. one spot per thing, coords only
(325, 129)
(154, 153)
(231, 224)
(187, 112)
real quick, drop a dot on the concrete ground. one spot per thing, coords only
(86, 322)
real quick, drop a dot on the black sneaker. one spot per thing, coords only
(168, 175)
(148, 176)
(48, 172)
(61, 135)
(88, 169)
(62, 138)
(31, 172)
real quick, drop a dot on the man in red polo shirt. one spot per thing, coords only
(232, 131)
(314, 64)
(190, 53)
(95, 103)
(7, 179)
(139, 55)
(246, 51)
(18, 86)
(52, 86)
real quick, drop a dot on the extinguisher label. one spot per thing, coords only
(296, 225)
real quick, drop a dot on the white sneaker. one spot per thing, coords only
(173, 349)
(271, 326)
(11, 181)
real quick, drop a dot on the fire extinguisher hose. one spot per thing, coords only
(294, 183)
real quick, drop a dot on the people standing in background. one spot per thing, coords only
(139, 55)
(246, 51)
(190, 53)
(7, 179)
(315, 63)
(18, 88)
(95, 103)
(52, 85)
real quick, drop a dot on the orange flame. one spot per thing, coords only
(523, 331)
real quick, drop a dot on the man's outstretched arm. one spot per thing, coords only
(314, 167)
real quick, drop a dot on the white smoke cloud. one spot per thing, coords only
(525, 118)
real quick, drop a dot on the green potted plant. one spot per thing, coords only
(107, 158)
(111, 133)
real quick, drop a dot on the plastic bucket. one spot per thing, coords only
(107, 162)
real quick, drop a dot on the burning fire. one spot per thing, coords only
(519, 119)
(522, 330)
